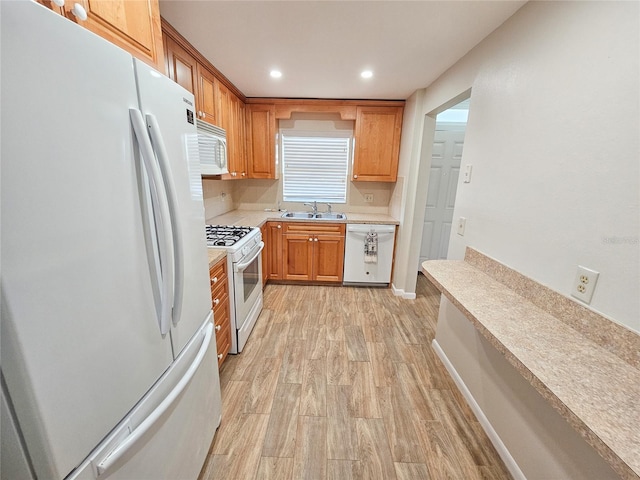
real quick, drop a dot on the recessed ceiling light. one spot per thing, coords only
(366, 74)
(275, 73)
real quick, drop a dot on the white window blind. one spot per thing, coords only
(315, 168)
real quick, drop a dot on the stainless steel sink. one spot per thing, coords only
(317, 216)
(306, 215)
(331, 216)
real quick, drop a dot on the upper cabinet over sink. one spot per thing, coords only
(378, 125)
(132, 25)
(377, 146)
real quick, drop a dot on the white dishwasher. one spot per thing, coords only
(373, 269)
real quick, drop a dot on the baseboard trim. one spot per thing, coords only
(401, 293)
(500, 447)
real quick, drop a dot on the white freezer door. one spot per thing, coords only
(169, 112)
(168, 434)
(80, 337)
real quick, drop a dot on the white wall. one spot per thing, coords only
(553, 137)
(553, 140)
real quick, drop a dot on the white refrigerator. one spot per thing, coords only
(109, 365)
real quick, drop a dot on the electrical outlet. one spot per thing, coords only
(462, 222)
(584, 284)
(368, 197)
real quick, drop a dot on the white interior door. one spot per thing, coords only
(441, 194)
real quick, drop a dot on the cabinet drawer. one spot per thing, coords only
(218, 273)
(219, 290)
(221, 309)
(314, 228)
(223, 330)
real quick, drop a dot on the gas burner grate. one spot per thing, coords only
(225, 236)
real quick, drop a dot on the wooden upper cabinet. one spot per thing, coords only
(230, 112)
(181, 67)
(206, 95)
(184, 69)
(261, 141)
(377, 145)
(133, 25)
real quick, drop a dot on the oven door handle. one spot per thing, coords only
(240, 267)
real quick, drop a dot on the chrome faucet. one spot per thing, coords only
(314, 207)
(328, 208)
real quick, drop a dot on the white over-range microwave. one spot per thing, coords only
(212, 148)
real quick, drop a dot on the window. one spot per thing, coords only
(315, 166)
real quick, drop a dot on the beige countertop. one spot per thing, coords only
(215, 255)
(256, 218)
(595, 390)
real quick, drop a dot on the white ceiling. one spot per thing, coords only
(322, 46)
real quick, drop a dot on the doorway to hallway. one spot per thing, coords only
(448, 144)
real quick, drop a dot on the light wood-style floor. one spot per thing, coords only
(342, 383)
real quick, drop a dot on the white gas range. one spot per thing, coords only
(244, 266)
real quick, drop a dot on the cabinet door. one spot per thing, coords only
(230, 113)
(274, 262)
(297, 261)
(132, 25)
(52, 6)
(377, 144)
(261, 141)
(264, 230)
(239, 137)
(328, 258)
(181, 67)
(206, 98)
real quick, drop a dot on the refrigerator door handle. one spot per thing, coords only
(112, 458)
(161, 215)
(174, 212)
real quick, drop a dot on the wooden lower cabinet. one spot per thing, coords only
(220, 302)
(313, 252)
(273, 246)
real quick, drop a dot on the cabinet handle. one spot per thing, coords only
(204, 115)
(310, 239)
(219, 356)
(279, 226)
(355, 176)
(79, 12)
(244, 174)
(214, 280)
(315, 239)
(218, 327)
(216, 301)
(59, 3)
